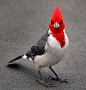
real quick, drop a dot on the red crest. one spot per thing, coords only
(57, 15)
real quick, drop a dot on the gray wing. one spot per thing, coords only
(39, 47)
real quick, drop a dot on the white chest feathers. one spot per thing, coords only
(53, 54)
(54, 45)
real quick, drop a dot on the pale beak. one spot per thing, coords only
(56, 25)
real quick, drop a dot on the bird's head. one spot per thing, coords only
(56, 24)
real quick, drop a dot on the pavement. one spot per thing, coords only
(22, 23)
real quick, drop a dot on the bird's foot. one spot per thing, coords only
(45, 84)
(58, 79)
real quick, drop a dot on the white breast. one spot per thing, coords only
(54, 53)
(53, 45)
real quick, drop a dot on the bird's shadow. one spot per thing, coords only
(26, 70)
(14, 66)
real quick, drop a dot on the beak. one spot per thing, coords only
(56, 25)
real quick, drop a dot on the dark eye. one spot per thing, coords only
(52, 22)
(61, 22)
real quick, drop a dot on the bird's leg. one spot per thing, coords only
(42, 81)
(57, 78)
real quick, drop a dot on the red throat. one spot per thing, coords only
(58, 34)
(60, 38)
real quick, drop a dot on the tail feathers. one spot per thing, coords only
(19, 57)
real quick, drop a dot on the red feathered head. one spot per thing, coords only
(56, 24)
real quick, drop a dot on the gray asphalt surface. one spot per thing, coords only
(22, 23)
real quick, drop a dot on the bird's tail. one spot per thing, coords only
(19, 57)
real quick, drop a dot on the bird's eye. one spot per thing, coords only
(52, 22)
(61, 22)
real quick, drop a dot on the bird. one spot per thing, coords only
(50, 48)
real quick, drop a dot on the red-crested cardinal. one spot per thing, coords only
(51, 48)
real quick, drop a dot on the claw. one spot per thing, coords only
(58, 79)
(45, 84)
